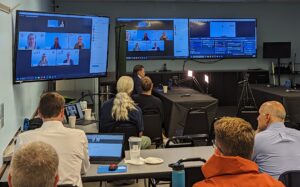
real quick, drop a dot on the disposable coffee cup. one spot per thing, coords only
(83, 105)
(88, 114)
(135, 148)
(165, 89)
(72, 121)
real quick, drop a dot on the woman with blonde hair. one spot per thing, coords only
(122, 109)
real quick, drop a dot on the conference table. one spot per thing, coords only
(176, 104)
(169, 156)
(290, 98)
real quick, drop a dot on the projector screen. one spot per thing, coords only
(222, 38)
(52, 46)
(155, 38)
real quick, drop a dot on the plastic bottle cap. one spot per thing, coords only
(178, 167)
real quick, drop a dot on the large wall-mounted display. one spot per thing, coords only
(155, 38)
(52, 46)
(222, 38)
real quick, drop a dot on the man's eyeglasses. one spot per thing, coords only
(216, 146)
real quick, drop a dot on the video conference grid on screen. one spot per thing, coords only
(58, 46)
(155, 38)
(222, 38)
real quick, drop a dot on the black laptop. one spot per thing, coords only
(105, 148)
(74, 109)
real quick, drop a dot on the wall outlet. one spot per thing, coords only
(1, 115)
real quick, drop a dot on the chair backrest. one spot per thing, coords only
(196, 122)
(193, 175)
(152, 125)
(128, 129)
(180, 141)
(212, 131)
(290, 178)
(291, 106)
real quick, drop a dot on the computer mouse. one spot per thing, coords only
(112, 167)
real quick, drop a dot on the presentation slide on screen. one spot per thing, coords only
(222, 38)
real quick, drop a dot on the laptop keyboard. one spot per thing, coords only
(85, 122)
(105, 162)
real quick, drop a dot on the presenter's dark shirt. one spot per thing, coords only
(107, 122)
(149, 104)
(137, 85)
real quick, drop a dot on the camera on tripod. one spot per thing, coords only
(247, 108)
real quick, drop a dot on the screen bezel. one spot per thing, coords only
(16, 35)
(117, 22)
(231, 57)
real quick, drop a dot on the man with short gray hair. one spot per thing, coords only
(34, 165)
(276, 147)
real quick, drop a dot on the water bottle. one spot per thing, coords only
(26, 124)
(170, 84)
(178, 175)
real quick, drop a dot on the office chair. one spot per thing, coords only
(193, 175)
(180, 141)
(292, 107)
(128, 129)
(153, 127)
(290, 178)
(197, 125)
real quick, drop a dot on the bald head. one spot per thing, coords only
(270, 112)
(275, 109)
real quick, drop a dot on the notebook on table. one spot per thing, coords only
(105, 148)
(74, 109)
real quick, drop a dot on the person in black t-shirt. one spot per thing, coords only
(146, 101)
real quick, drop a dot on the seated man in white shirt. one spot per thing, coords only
(34, 165)
(70, 144)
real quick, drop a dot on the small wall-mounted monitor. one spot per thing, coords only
(155, 38)
(51, 46)
(222, 38)
(277, 49)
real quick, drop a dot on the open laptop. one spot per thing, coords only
(105, 148)
(74, 109)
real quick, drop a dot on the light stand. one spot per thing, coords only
(195, 81)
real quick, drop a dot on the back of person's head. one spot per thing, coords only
(51, 104)
(34, 165)
(234, 137)
(275, 109)
(146, 84)
(137, 68)
(125, 84)
(123, 102)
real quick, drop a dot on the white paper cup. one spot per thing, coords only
(72, 121)
(88, 114)
(83, 105)
(165, 89)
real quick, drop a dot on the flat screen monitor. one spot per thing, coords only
(222, 38)
(277, 49)
(51, 46)
(155, 38)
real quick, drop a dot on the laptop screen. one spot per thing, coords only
(104, 147)
(73, 109)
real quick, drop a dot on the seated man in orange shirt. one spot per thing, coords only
(231, 163)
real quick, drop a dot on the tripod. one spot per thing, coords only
(246, 100)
